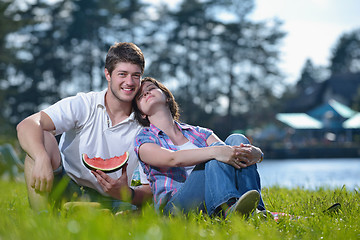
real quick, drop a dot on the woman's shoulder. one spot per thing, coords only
(195, 128)
(146, 135)
(148, 132)
(145, 131)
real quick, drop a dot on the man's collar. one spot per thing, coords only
(100, 100)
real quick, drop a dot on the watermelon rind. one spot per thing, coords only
(106, 165)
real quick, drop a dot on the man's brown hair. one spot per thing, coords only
(124, 52)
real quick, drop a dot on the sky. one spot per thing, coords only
(313, 28)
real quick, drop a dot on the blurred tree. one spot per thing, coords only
(221, 66)
(311, 75)
(356, 101)
(307, 93)
(84, 42)
(180, 54)
(346, 54)
(346, 59)
(61, 50)
(307, 78)
(9, 22)
(96, 25)
(219, 62)
(41, 58)
(248, 62)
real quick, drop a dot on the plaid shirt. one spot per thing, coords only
(165, 182)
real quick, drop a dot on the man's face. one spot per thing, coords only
(124, 81)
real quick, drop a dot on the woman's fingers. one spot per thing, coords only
(238, 163)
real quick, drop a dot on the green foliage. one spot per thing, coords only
(18, 221)
(60, 50)
(223, 71)
(220, 67)
(310, 75)
(346, 55)
(356, 101)
(61, 46)
(8, 24)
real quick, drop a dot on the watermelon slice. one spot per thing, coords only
(106, 165)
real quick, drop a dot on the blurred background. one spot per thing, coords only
(286, 74)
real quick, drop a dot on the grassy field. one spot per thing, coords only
(18, 221)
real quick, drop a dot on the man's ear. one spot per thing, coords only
(107, 75)
(143, 116)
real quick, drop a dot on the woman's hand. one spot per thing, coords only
(249, 154)
(229, 155)
(238, 156)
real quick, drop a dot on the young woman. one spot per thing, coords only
(190, 168)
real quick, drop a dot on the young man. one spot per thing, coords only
(100, 124)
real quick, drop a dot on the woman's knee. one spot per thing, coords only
(215, 165)
(236, 139)
(251, 168)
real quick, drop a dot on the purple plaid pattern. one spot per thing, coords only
(164, 182)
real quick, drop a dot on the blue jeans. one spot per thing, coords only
(213, 183)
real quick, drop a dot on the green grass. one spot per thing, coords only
(18, 221)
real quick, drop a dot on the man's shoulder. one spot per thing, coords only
(89, 99)
(96, 95)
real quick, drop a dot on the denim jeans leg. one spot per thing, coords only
(220, 184)
(191, 195)
(223, 181)
(247, 178)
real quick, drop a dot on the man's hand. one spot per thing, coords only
(116, 188)
(42, 175)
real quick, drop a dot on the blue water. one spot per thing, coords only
(311, 173)
(308, 173)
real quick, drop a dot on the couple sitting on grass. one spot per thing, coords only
(184, 168)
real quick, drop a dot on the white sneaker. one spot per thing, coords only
(246, 204)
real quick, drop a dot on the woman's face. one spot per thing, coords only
(150, 95)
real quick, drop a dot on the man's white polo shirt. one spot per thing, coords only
(86, 128)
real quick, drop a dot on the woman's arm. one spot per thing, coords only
(155, 155)
(212, 139)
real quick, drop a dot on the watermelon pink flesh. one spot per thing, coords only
(106, 165)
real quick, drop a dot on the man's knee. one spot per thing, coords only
(51, 147)
(236, 139)
(28, 163)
